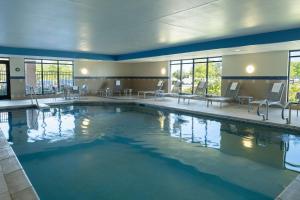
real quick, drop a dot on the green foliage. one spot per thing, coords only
(294, 86)
(50, 70)
(175, 76)
(214, 77)
(294, 80)
(294, 70)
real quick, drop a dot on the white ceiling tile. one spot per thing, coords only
(123, 26)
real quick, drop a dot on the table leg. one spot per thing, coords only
(290, 114)
(248, 104)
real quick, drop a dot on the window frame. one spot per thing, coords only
(205, 60)
(289, 71)
(55, 62)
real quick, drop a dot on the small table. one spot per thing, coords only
(243, 98)
(128, 92)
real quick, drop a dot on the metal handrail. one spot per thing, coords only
(265, 116)
(287, 119)
(32, 92)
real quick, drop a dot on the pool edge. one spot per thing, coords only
(291, 191)
(184, 110)
(14, 183)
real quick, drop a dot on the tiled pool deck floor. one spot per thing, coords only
(15, 185)
(233, 111)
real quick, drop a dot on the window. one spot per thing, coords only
(294, 75)
(214, 77)
(175, 74)
(4, 78)
(43, 75)
(192, 71)
(187, 76)
(199, 73)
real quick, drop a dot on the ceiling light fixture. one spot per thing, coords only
(250, 69)
(84, 71)
(163, 71)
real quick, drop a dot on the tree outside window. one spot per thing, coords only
(294, 79)
(192, 71)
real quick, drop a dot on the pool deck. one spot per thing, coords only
(228, 111)
(14, 183)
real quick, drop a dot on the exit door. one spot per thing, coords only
(4, 80)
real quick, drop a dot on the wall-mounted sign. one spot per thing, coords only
(17, 69)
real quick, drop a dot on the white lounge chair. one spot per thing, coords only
(198, 94)
(83, 90)
(174, 92)
(230, 95)
(158, 88)
(117, 87)
(274, 96)
(56, 92)
(104, 90)
(75, 92)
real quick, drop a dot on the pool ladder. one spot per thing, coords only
(265, 115)
(287, 119)
(33, 96)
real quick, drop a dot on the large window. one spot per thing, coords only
(44, 75)
(294, 75)
(187, 76)
(192, 71)
(214, 75)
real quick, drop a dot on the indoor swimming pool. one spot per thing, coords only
(129, 151)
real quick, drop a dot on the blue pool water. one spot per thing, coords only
(133, 152)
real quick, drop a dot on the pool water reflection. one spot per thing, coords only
(263, 157)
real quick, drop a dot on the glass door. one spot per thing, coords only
(4, 80)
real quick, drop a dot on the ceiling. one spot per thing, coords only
(283, 46)
(114, 27)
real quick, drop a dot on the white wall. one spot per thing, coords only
(17, 85)
(137, 76)
(272, 66)
(16, 62)
(265, 64)
(149, 69)
(101, 69)
(94, 69)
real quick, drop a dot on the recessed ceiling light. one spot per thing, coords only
(236, 50)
